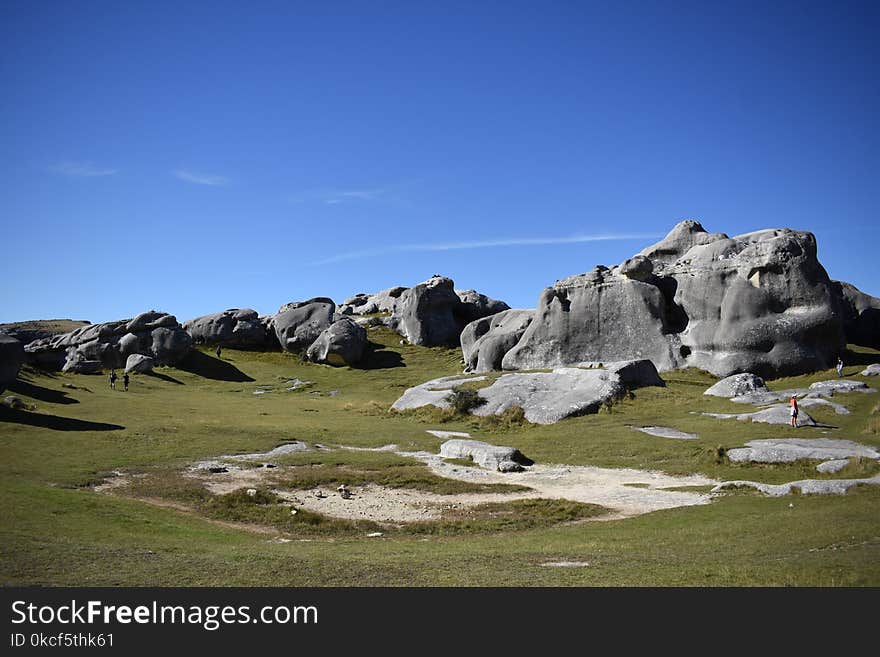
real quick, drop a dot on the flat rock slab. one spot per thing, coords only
(737, 385)
(840, 409)
(491, 457)
(871, 370)
(830, 467)
(778, 414)
(805, 486)
(446, 435)
(788, 450)
(432, 392)
(547, 397)
(667, 432)
(828, 388)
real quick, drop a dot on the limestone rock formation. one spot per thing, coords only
(475, 305)
(485, 341)
(297, 325)
(860, 313)
(11, 359)
(789, 450)
(426, 314)
(758, 302)
(432, 392)
(737, 385)
(108, 345)
(369, 304)
(342, 343)
(871, 370)
(636, 373)
(242, 328)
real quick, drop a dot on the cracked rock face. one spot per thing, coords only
(342, 343)
(297, 325)
(737, 385)
(242, 328)
(485, 341)
(759, 302)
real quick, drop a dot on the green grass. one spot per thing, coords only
(57, 532)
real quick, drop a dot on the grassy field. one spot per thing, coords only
(57, 530)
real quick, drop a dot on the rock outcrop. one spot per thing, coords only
(240, 328)
(297, 325)
(485, 341)
(475, 305)
(426, 315)
(369, 304)
(108, 345)
(758, 302)
(860, 313)
(789, 450)
(138, 363)
(11, 360)
(342, 343)
(871, 370)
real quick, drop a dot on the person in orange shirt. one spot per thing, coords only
(794, 410)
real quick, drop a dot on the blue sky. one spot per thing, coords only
(192, 157)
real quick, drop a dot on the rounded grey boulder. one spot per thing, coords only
(737, 385)
(138, 363)
(242, 328)
(426, 314)
(297, 325)
(485, 341)
(342, 343)
(11, 359)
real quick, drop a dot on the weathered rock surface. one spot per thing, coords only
(805, 486)
(547, 397)
(491, 457)
(788, 450)
(108, 345)
(871, 370)
(758, 302)
(369, 304)
(485, 341)
(778, 414)
(860, 313)
(139, 364)
(737, 385)
(667, 432)
(242, 328)
(11, 359)
(342, 343)
(833, 466)
(432, 392)
(297, 325)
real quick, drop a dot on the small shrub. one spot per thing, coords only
(463, 400)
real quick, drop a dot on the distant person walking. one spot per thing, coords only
(794, 410)
(113, 378)
(839, 366)
(218, 351)
(125, 381)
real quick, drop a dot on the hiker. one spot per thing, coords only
(218, 351)
(125, 382)
(113, 378)
(839, 366)
(794, 410)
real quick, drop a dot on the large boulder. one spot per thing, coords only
(434, 392)
(241, 328)
(90, 348)
(636, 373)
(737, 385)
(475, 305)
(11, 359)
(138, 363)
(427, 314)
(758, 302)
(485, 341)
(297, 325)
(342, 343)
(860, 313)
(547, 397)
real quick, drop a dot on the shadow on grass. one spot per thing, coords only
(859, 358)
(196, 362)
(39, 392)
(379, 358)
(54, 422)
(164, 377)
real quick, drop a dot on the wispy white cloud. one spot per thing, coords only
(200, 178)
(337, 196)
(81, 170)
(482, 244)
